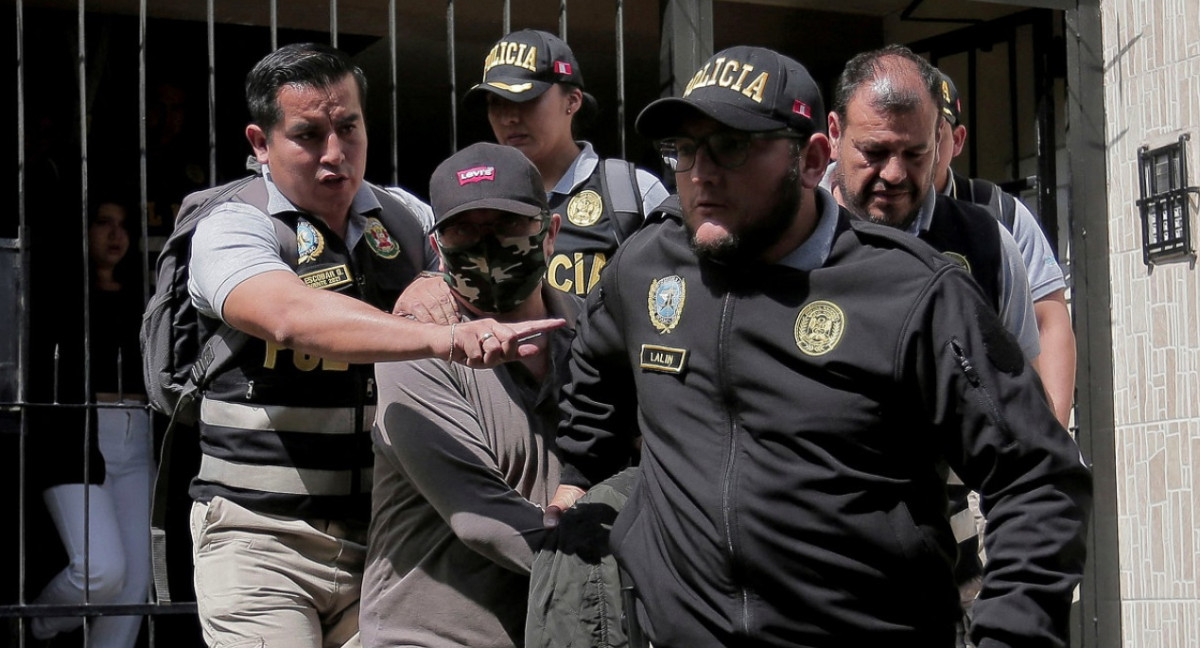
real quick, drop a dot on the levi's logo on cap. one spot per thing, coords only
(476, 174)
(731, 74)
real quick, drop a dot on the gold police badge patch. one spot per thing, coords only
(309, 242)
(380, 240)
(585, 208)
(819, 328)
(959, 259)
(666, 302)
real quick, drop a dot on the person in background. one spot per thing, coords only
(465, 458)
(884, 126)
(1056, 364)
(117, 490)
(534, 97)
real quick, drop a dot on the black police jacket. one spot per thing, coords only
(796, 429)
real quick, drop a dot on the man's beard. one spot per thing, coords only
(754, 238)
(855, 203)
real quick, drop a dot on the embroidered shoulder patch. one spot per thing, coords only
(665, 302)
(309, 242)
(379, 240)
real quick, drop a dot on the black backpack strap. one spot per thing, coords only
(982, 191)
(997, 201)
(285, 234)
(620, 182)
(220, 348)
(1008, 209)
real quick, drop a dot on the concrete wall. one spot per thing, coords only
(1152, 96)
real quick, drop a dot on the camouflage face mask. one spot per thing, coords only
(496, 276)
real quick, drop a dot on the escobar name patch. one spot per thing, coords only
(327, 278)
(819, 328)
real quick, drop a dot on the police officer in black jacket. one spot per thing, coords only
(802, 380)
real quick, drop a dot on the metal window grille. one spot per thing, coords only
(1165, 203)
(102, 58)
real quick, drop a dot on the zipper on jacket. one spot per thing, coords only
(250, 390)
(981, 392)
(731, 456)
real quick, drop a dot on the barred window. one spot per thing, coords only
(1164, 203)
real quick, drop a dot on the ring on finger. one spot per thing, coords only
(486, 336)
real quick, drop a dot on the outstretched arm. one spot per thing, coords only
(278, 307)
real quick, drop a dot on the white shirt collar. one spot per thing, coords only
(580, 170)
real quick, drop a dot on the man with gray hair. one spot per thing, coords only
(887, 128)
(884, 127)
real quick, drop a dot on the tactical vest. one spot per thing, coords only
(592, 227)
(288, 433)
(968, 235)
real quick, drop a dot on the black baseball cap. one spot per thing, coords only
(744, 88)
(486, 176)
(524, 64)
(951, 103)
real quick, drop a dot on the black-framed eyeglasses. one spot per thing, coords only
(462, 233)
(729, 149)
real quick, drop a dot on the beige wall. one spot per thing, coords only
(1152, 96)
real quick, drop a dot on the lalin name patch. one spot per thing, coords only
(664, 359)
(819, 328)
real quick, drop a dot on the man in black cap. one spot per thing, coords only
(465, 459)
(1047, 286)
(801, 380)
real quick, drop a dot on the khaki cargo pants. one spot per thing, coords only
(275, 582)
